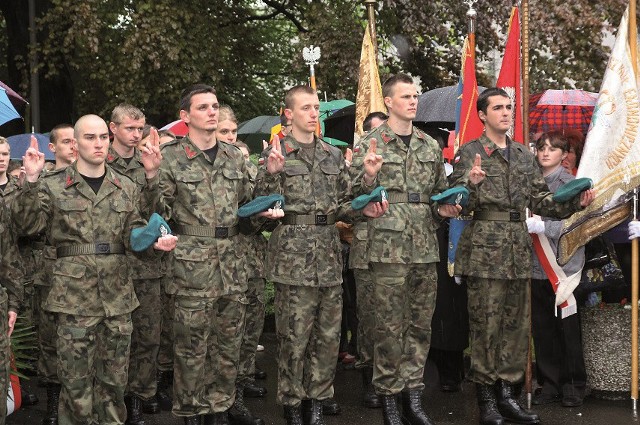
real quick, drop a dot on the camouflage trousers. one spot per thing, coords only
(308, 332)
(46, 324)
(165, 352)
(93, 359)
(207, 333)
(405, 297)
(253, 325)
(499, 315)
(4, 355)
(366, 317)
(145, 339)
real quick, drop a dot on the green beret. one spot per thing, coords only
(143, 237)
(261, 203)
(377, 195)
(458, 195)
(572, 189)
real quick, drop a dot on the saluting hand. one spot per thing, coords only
(151, 157)
(275, 160)
(372, 162)
(476, 174)
(33, 161)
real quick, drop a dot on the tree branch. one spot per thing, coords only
(282, 8)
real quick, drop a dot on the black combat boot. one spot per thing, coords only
(412, 412)
(370, 399)
(53, 396)
(489, 414)
(390, 412)
(260, 374)
(134, 410)
(28, 399)
(192, 420)
(251, 389)
(239, 414)
(163, 391)
(293, 415)
(312, 412)
(509, 407)
(218, 418)
(330, 407)
(151, 405)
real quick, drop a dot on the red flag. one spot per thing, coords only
(470, 125)
(509, 78)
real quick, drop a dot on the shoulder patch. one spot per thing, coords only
(288, 148)
(110, 157)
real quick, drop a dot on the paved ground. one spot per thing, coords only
(445, 409)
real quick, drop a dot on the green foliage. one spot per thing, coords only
(23, 343)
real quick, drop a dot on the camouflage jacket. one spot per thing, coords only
(140, 269)
(307, 255)
(191, 190)
(11, 273)
(63, 205)
(255, 245)
(406, 233)
(27, 257)
(502, 249)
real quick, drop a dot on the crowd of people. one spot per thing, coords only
(123, 332)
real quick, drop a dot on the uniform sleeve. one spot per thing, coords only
(12, 276)
(265, 184)
(159, 192)
(356, 171)
(460, 177)
(31, 209)
(440, 184)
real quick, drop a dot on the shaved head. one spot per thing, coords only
(87, 120)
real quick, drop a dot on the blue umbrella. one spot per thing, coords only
(21, 142)
(7, 111)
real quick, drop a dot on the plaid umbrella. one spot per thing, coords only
(561, 109)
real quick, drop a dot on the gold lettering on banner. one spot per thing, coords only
(625, 144)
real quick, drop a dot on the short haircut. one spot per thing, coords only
(146, 130)
(125, 110)
(189, 92)
(483, 99)
(556, 139)
(4, 141)
(53, 134)
(390, 83)
(226, 113)
(284, 121)
(366, 124)
(162, 133)
(241, 144)
(14, 164)
(293, 92)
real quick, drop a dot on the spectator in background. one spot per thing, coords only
(576, 143)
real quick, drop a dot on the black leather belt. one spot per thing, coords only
(407, 198)
(309, 219)
(499, 215)
(100, 248)
(205, 231)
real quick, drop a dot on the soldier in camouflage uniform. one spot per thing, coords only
(200, 186)
(304, 256)
(402, 248)
(87, 212)
(494, 253)
(127, 123)
(11, 282)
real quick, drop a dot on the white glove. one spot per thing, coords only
(634, 229)
(535, 225)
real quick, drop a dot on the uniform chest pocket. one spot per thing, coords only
(425, 174)
(391, 175)
(72, 205)
(121, 205)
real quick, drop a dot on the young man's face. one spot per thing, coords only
(5, 151)
(93, 141)
(127, 133)
(203, 112)
(304, 113)
(65, 147)
(227, 131)
(403, 102)
(498, 116)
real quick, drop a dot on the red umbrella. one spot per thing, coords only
(178, 128)
(561, 109)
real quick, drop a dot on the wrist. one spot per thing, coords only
(369, 180)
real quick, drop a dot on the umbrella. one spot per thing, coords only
(20, 143)
(561, 109)
(7, 110)
(327, 109)
(257, 129)
(177, 127)
(341, 124)
(438, 106)
(15, 98)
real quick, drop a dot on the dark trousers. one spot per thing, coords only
(560, 365)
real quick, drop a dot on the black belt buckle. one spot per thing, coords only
(222, 232)
(414, 198)
(103, 248)
(514, 216)
(321, 219)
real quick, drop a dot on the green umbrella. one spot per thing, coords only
(328, 108)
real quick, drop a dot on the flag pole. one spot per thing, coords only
(471, 14)
(633, 46)
(311, 56)
(524, 34)
(371, 16)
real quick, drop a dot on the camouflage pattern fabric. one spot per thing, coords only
(46, 326)
(207, 337)
(93, 358)
(165, 351)
(253, 325)
(366, 316)
(308, 332)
